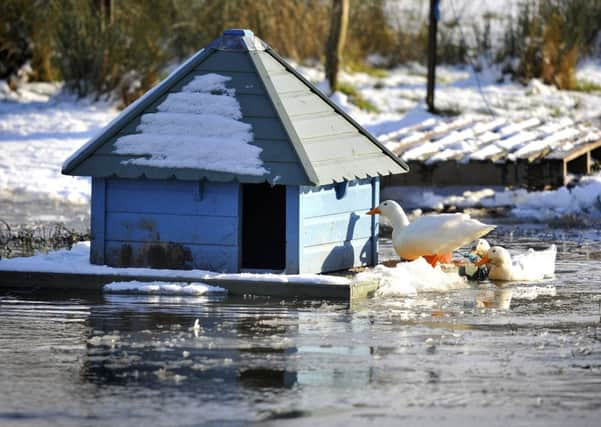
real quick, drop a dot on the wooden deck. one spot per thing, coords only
(64, 282)
(495, 151)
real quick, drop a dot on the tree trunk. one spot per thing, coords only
(336, 38)
(104, 9)
(432, 30)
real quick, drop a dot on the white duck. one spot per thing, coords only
(434, 236)
(530, 266)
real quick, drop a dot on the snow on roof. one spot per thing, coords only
(129, 110)
(198, 127)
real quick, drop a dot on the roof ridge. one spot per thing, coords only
(284, 118)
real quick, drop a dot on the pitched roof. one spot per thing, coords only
(235, 111)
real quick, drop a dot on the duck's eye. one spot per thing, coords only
(494, 251)
(385, 204)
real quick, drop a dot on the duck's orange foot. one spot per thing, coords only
(438, 258)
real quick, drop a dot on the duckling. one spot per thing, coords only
(530, 266)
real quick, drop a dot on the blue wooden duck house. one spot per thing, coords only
(234, 162)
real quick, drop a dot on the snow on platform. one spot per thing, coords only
(71, 270)
(470, 150)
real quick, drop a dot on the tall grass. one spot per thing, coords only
(123, 56)
(549, 37)
(25, 240)
(97, 56)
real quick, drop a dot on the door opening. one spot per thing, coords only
(263, 227)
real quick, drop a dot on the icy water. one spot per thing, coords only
(527, 354)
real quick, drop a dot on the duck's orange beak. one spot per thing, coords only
(373, 211)
(485, 260)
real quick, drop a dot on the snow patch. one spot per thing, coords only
(316, 279)
(410, 278)
(585, 198)
(161, 288)
(199, 128)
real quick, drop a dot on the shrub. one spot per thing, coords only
(549, 37)
(98, 55)
(24, 39)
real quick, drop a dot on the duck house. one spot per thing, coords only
(234, 162)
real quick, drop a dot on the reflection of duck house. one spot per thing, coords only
(234, 162)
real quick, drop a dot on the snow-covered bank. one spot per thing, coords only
(39, 128)
(582, 199)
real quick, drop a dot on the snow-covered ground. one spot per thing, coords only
(40, 126)
(583, 200)
(399, 96)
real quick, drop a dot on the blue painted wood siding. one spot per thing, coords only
(201, 218)
(293, 227)
(335, 233)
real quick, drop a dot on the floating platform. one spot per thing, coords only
(273, 286)
(531, 153)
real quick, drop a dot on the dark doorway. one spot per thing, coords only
(263, 227)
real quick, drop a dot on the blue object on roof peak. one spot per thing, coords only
(238, 32)
(238, 39)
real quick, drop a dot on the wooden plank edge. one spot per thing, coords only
(575, 152)
(95, 282)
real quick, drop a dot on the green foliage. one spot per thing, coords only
(356, 98)
(587, 86)
(97, 57)
(362, 67)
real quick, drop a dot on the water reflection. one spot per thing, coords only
(498, 298)
(150, 342)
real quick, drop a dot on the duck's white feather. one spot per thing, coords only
(431, 234)
(529, 266)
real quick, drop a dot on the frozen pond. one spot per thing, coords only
(527, 354)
